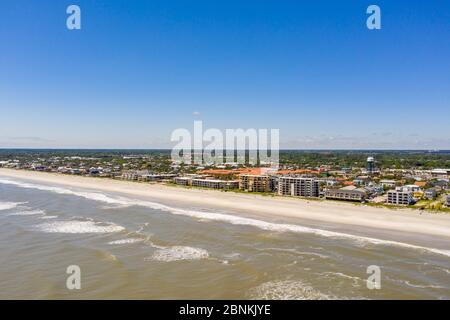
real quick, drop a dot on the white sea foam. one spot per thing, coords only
(178, 253)
(9, 205)
(49, 217)
(27, 213)
(77, 227)
(286, 290)
(232, 219)
(125, 241)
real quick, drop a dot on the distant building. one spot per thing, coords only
(412, 188)
(388, 183)
(298, 186)
(255, 183)
(440, 173)
(361, 181)
(430, 194)
(400, 196)
(349, 193)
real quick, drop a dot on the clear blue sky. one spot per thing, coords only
(139, 69)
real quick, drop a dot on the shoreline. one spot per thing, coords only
(396, 224)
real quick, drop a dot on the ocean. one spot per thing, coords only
(132, 248)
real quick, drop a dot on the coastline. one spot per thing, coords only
(395, 223)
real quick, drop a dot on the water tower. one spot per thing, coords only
(370, 164)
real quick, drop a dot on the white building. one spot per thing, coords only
(400, 197)
(298, 187)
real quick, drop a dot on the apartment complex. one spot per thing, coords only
(298, 186)
(207, 183)
(183, 181)
(346, 193)
(400, 196)
(215, 184)
(255, 183)
(134, 175)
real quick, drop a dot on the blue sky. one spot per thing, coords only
(137, 70)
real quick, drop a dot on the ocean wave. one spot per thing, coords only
(232, 219)
(28, 213)
(9, 205)
(76, 227)
(287, 290)
(177, 253)
(48, 217)
(125, 241)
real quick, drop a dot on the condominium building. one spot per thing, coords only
(134, 174)
(255, 183)
(298, 186)
(183, 181)
(215, 184)
(400, 196)
(349, 194)
(157, 177)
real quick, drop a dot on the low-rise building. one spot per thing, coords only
(215, 184)
(430, 194)
(298, 186)
(388, 183)
(183, 181)
(447, 200)
(157, 177)
(349, 193)
(400, 196)
(134, 174)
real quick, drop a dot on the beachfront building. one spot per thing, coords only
(298, 187)
(157, 177)
(215, 184)
(134, 175)
(255, 183)
(400, 196)
(183, 181)
(349, 193)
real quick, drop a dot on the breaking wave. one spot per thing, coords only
(125, 241)
(76, 227)
(9, 205)
(28, 213)
(178, 253)
(287, 290)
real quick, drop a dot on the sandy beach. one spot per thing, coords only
(329, 213)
